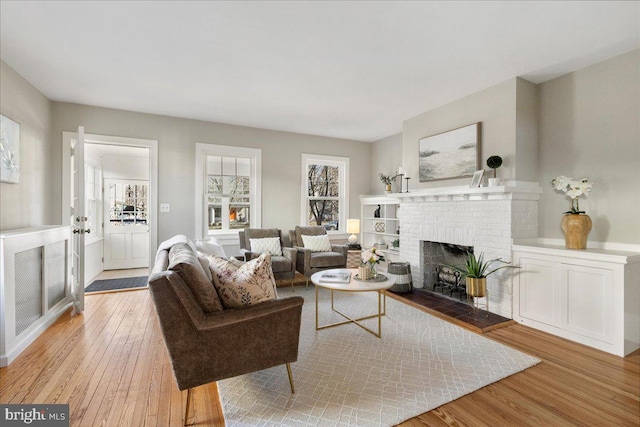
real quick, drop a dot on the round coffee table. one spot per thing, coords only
(353, 286)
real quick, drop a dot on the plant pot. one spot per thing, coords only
(387, 188)
(494, 182)
(476, 286)
(576, 229)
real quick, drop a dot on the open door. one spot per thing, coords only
(78, 220)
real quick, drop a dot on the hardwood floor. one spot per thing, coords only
(111, 366)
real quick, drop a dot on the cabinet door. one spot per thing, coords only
(539, 290)
(588, 301)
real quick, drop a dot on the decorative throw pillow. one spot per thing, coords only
(266, 244)
(204, 262)
(184, 261)
(209, 247)
(250, 283)
(319, 243)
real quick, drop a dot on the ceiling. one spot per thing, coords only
(351, 70)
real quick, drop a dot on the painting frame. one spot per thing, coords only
(451, 154)
(9, 150)
(477, 178)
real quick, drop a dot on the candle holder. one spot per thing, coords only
(399, 175)
(407, 178)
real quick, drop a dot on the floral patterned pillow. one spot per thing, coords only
(245, 284)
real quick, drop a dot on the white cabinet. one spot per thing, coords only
(592, 296)
(379, 224)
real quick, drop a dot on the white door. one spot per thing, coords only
(126, 228)
(77, 220)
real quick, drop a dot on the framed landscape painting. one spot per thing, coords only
(9, 150)
(451, 154)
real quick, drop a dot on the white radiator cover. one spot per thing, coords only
(35, 276)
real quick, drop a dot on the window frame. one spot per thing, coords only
(342, 163)
(204, 150)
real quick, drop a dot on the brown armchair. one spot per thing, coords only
(283, 266)
(308, 262)
(206, 345)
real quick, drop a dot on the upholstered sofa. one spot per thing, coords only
(309, 261)
(207, 344)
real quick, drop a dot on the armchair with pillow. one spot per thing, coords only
(315, 251)
(255, 241)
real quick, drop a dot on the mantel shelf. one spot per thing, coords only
(516, 190)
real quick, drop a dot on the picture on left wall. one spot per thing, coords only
(9, 150)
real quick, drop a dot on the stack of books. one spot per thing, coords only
(335, 277)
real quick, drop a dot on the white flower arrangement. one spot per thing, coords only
(371, 256)
(573, 189)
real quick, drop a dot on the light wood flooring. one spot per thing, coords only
(110, 364)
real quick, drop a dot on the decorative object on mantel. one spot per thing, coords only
(401, 173)
(9, 150)
(576, 225)
(386, 180)
(407, 179)
(475, 273)
(370, 260)
(452, 154)
(494, 162)
(477, 179)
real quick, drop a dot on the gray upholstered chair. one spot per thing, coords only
(283, 266)
(309, 262)
(207, 345)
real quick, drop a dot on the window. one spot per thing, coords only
(127, 203)
(228, 181)
(325, 192)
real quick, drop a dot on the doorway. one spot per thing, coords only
(120, 204)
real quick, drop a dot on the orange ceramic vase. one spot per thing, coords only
(576, 229)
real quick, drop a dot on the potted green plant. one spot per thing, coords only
(476, 270)
(386, 180)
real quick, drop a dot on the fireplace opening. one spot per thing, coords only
(439, 278)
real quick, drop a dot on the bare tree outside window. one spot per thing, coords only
(323, 185)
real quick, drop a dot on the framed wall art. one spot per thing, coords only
(9, 150)
(451, 154)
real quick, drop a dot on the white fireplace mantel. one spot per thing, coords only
(517, 190)
(485, 218)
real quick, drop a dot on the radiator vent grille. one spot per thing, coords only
(28, 287)
(56, 272)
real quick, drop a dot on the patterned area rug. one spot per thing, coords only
(345, 376)
(114, 284)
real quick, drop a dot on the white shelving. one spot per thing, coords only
(383, 229)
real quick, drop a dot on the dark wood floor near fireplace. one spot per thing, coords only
(458, 312)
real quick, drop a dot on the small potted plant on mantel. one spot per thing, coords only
(475, 273)
(386, 180)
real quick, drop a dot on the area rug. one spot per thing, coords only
(115, 284)
(345, 376)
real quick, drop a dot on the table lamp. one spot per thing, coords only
(353, 227)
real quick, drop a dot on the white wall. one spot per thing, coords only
(386, 158)
(590, 127)
(582, 124)
(281, 160)
(35, 200)
(495, 107)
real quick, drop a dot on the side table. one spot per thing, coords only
(353, 258)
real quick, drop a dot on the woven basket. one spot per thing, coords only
(401, 273)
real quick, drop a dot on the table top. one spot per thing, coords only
(353, 285)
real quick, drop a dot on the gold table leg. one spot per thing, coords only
(381, 296)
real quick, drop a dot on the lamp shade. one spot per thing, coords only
(353, 226)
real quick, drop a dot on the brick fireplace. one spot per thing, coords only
(487, 219)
